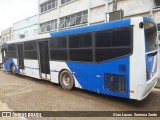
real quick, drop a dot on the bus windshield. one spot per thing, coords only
(150, 34)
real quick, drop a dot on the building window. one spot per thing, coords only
(157, 3)
(65, 1)
(74, 19)
(48, 5)
(21, 36)
(48, 26)
(158, 25)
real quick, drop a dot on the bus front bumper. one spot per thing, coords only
(144, 90)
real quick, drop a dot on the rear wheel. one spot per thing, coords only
(66, 80)
(13, 69)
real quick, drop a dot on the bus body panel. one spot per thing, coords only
(7, 65)
(56, 68)
(0, 57)
(31, 68)
(137, 66)
(138, 82)
(92, 76)
(130, 69)
(144, 90)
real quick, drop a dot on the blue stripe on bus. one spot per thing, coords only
(32, 68)
(87, 75)
(54, 71)
(7, 65)
(146, 19)
(102, 26)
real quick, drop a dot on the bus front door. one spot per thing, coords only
(20, 58)
(44, 60)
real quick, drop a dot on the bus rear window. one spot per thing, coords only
(150, 35)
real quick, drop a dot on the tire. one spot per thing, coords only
(66, 80)
(13, 69)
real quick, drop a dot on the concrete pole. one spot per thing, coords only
(151, 13)
(58, 17)
(89, 12)
(106, 11)
(39, 12)
(114, 5)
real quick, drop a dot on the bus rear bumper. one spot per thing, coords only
(144, 90)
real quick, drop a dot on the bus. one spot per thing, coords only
(117, 58)
(0, 58)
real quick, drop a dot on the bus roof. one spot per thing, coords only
(85, 29)
(147, 19)
(47, 35)
(101, 26)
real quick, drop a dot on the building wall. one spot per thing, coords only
(97, 9)
(133, 7)
(0, 43)
(64, 10)
(94, 8)
(27, 27)
(7, 35)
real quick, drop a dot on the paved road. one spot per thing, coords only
(20, 93)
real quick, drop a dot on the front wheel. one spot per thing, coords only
(13, 69)
(66, 80)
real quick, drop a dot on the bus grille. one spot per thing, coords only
(115, 83)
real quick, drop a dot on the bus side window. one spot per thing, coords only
(11, 53)
(58, 49)
(4, 53)
(80, 48)
(112, 44)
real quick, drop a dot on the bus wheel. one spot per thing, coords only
(13, 69)
(66, 80)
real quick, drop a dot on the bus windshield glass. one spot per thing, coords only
(150, 34)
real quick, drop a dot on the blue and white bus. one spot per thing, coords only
(118, 58)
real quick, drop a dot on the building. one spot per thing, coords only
(57, 15)
(26, 28)
(0, 43)
(7, 35)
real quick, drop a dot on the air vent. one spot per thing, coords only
(122, 68)
(115, 83)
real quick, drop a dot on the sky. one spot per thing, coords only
(12, 11)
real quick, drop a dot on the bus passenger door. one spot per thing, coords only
(44, 60)
(20, 58)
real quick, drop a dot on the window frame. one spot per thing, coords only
(44, 7)
(155, 3)
(81, 34)
(93, 46)
(65, 2)
(35, 49)
(58, 49)
(72, 20)
(118, 47)
(11, 51)
(52, 25)
(82, 48)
